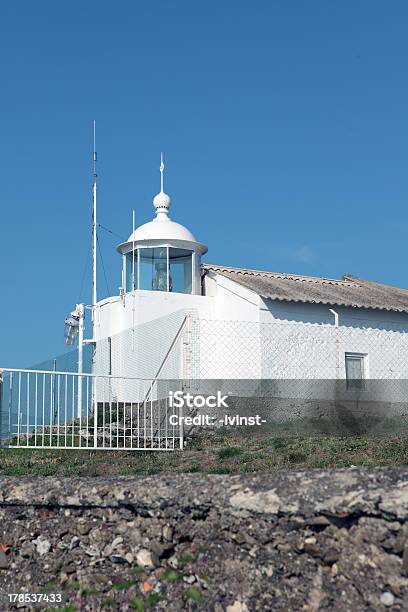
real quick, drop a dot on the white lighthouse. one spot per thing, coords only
(177, 318)
(161, 284)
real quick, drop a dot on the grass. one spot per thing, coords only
(221, 453)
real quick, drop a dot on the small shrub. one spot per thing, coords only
(296, 457)
(229, 452)
(279, 443)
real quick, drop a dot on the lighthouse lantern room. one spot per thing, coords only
(162, 255)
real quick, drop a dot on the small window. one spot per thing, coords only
(355, 370)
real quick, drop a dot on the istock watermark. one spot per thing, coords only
(179, 399)
(206, 420)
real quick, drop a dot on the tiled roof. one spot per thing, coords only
(348, 291)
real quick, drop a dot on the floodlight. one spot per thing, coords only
(71, 327)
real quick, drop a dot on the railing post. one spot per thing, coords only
(95, 411)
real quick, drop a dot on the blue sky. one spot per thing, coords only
(284, 127)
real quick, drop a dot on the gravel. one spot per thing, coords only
(316, 540)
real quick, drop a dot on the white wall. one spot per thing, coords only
(237, 335)
(114, 315)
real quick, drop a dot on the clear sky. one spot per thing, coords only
(284, 127)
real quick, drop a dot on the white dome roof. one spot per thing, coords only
(162, 229)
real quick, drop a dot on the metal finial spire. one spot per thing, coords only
(161, 171)
(161, 201)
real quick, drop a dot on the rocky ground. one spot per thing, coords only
(315, 540)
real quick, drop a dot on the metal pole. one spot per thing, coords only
(133, 281)
(94, 254)
(94, 226)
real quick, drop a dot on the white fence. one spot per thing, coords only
(41, 409)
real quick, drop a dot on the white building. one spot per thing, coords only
(177, 317)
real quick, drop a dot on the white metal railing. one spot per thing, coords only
(47, 409)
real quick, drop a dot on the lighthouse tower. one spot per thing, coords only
(161, 284)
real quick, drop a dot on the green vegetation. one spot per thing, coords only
(221, 453)
(89, 591)
(193, 594)
(171, 576)
(185, 558)
(122, 586)
(229, 452)
(153, 598)
(137, 604)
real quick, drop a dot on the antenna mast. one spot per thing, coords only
(94, 225)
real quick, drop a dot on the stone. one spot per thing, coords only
(118, 559)
(129, 558)
(116, 542)
(267, 502)
(173, 562)
(282, 548)
(84, 528)
(26, 550)
(189, 579)
(387, 599)
(312, 549)
(43, 545)
(122, 527)
(145, 558)
(318, 521)
(331, 555)
(168, 533)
